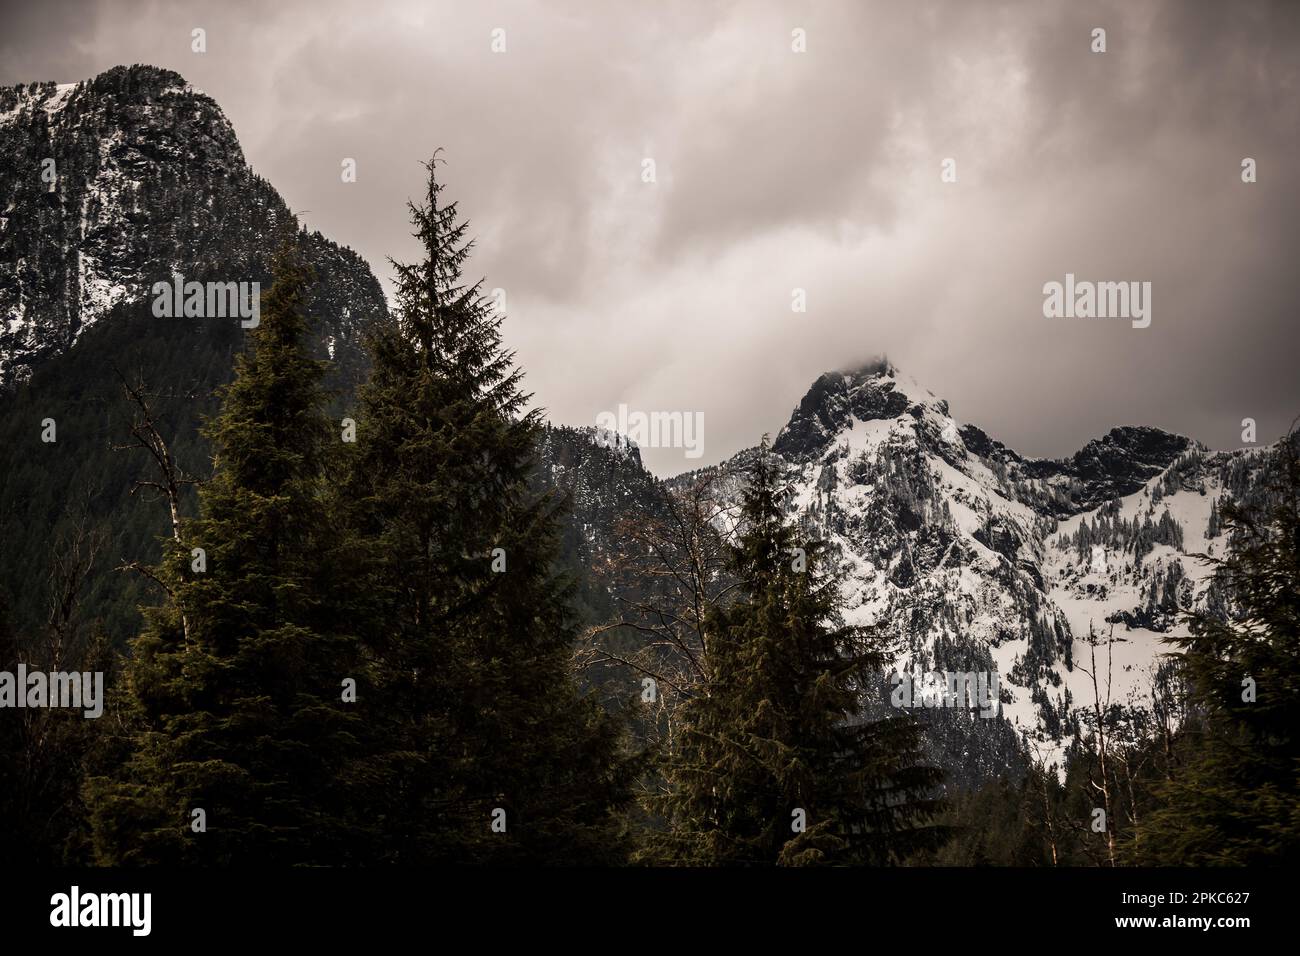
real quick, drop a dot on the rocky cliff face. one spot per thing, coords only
(112, 184)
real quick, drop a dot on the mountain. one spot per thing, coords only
(147, 182)
(974, 558)
(112, 184)
(602, 480)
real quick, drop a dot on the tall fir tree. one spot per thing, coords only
(235, 687)
(493, 755)
(1233, 796)
(773, 764)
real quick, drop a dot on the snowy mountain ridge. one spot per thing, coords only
(974, 558)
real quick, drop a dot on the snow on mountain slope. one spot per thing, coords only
(126, 179)
(973, 558)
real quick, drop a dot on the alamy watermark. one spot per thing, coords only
(657, 429)
(209, 300)
(75, 908)
(1084, 299)
(967, 689)
(74, 689)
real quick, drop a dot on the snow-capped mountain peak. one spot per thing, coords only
(873, 393)
(974, 558)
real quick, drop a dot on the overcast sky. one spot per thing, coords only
(779, 170)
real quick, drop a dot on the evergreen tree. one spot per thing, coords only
(772, 764)
(1235, 798)
(235, 685)
(473, 633)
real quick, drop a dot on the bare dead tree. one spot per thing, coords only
(1102, 714)
(146, 435)
(171, 478)
(674, 568)
(1049, 817)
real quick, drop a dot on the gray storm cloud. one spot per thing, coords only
(778, 170)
